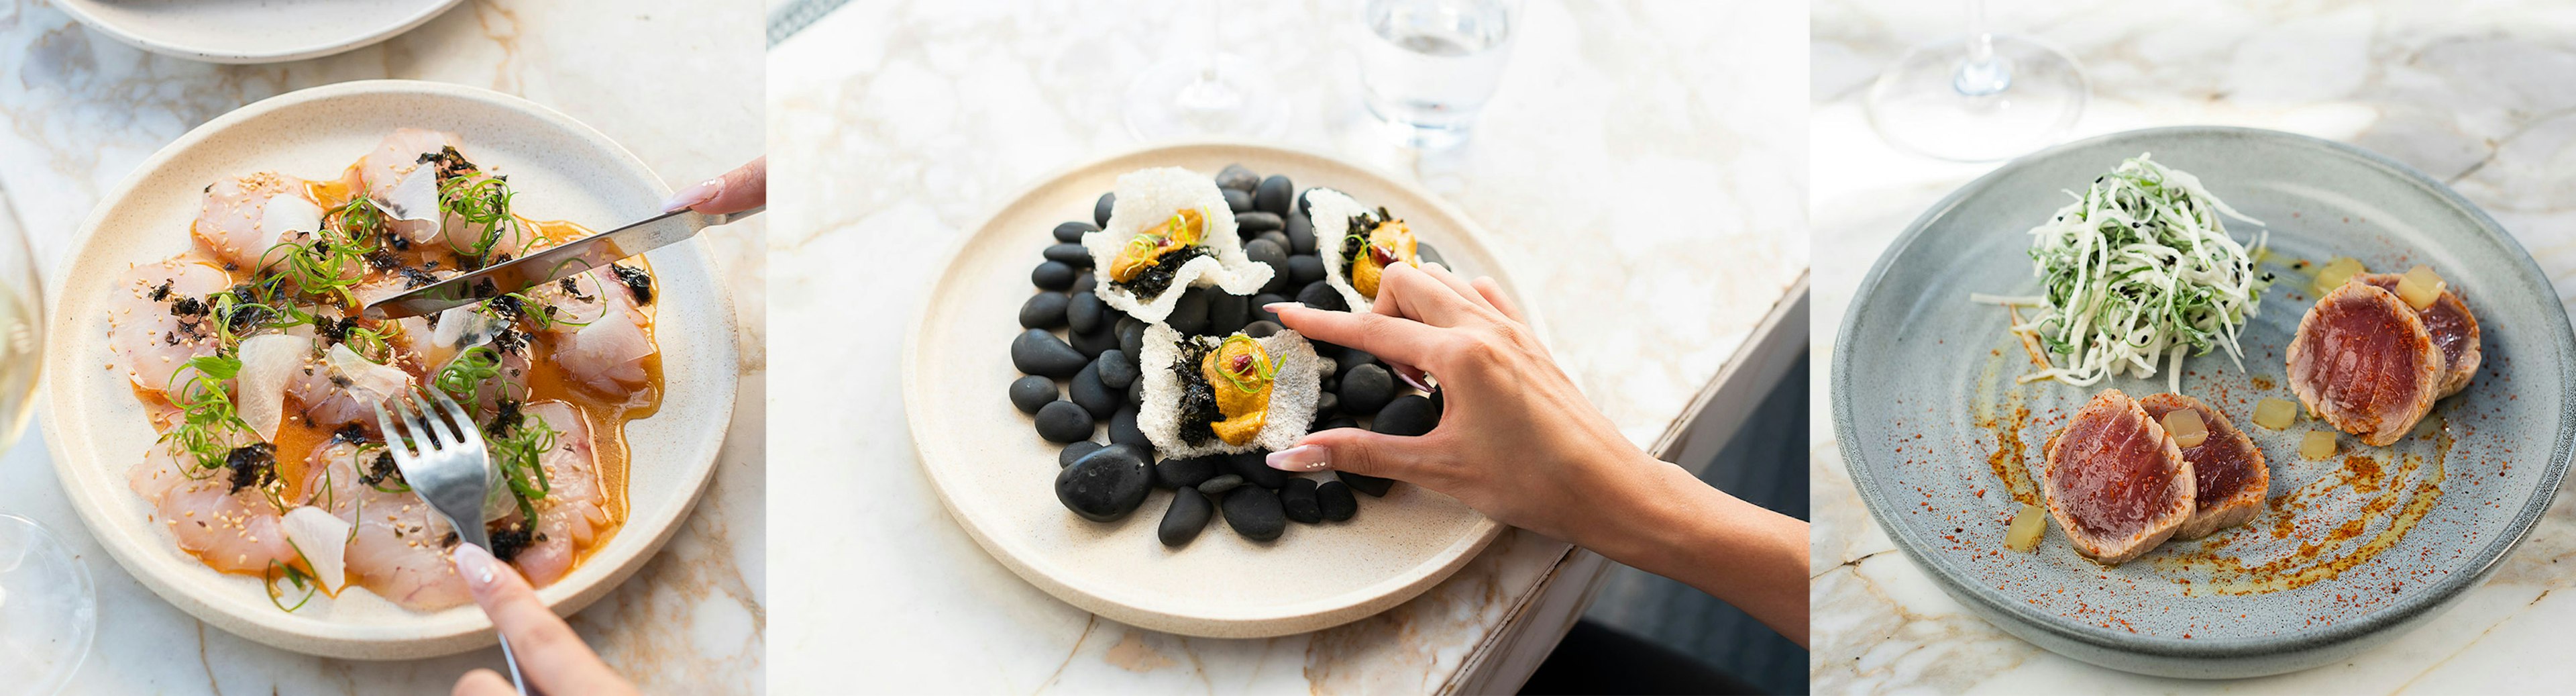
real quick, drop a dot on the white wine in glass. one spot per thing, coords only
(48, 608)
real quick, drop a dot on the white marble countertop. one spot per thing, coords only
(1642, 160)
(676, 84)
(2481, 95)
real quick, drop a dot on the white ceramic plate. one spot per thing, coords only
(252, 31)
(563, 169)
(997, 476)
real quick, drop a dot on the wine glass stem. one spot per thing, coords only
(1981, 74)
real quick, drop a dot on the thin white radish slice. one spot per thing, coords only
(415, 197)
(460, 328)
(323, 539)
(267, 361)
(369, 382)
(287, 212)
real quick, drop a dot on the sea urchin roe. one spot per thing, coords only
(1240, 373)
(2274, 413)
(2319, 444)
(2419, 287)
(2027, 525)
(2335, 272)
(1389, 242)
(1185, 229)
(2186, 428)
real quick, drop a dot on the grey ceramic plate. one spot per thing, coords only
(2393, 534)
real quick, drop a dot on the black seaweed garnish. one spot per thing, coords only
(188, 307)
(509, 540)
(635, 280)
(383, 260)
(415, 277)
(161, 293)
(1157, 277)
(381, 470)
(252, 465)
(1199, 411)
(505, 420)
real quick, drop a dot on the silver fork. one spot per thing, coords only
(451, 470)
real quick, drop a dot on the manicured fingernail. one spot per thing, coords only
(702, 192)
(1408, 374)
(477, 564)
(1299, 458)
(1274, 307)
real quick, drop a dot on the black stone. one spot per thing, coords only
(1299, 501)
(1032, 392)
(1092, 345)
(1037, 352)
(1424, 253)
(1083, 284)
(1074, 255)
(1100, 209)
(1328, 403)
(1185, 473)
(1237, 201)
(1374, 486)
(1261, 329)
(1336, 501)
(1075, 452)
(1320, 295)
(1346, 359)
(1264, 300)
(1237, 177)
(1257, 222)
(1136, 393)
(1064, 422)
(1263, 252)
(1272, 195)
(1254, 512)
(1249, 466)
(1409, 416)
(1305, 269)
(1274, 237)
(1190, 313)
(1366, 389)
(1105, 485)
(1052, 275)
(1219, 484)
(1301, 234)
(1045, 310)
(1122, 430)
(1188, 515)
(1342, 421)
(1083, 312)
(1116, 369)
(1071, 232)
(1091, 395)
(1227, 312)
(1131, 337)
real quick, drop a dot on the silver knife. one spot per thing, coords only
(552, 263)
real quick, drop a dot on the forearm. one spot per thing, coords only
(1684, 529)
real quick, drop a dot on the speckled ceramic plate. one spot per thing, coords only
(563, 169)
(2348, 552)
(252, 31)
(997, 476)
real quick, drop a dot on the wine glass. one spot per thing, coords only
(1983, 98)
(1207, 93)
(48, 609)
(1428, 66)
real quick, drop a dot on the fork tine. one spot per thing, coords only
(457, 417)
(393, 436)
(437, 423)
(423, 438)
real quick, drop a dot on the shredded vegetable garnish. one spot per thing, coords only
(2138, 269)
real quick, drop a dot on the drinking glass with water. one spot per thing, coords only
(1428, 66)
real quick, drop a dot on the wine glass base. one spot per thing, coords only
(1190, 98)
(1920, 105)
(48, 608)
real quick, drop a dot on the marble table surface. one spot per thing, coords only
(2478, 95)
(677, 85)
(1640, 161)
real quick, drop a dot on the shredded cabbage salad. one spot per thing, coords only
(2139, 268)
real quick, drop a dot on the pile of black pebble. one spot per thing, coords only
(1081, 360)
